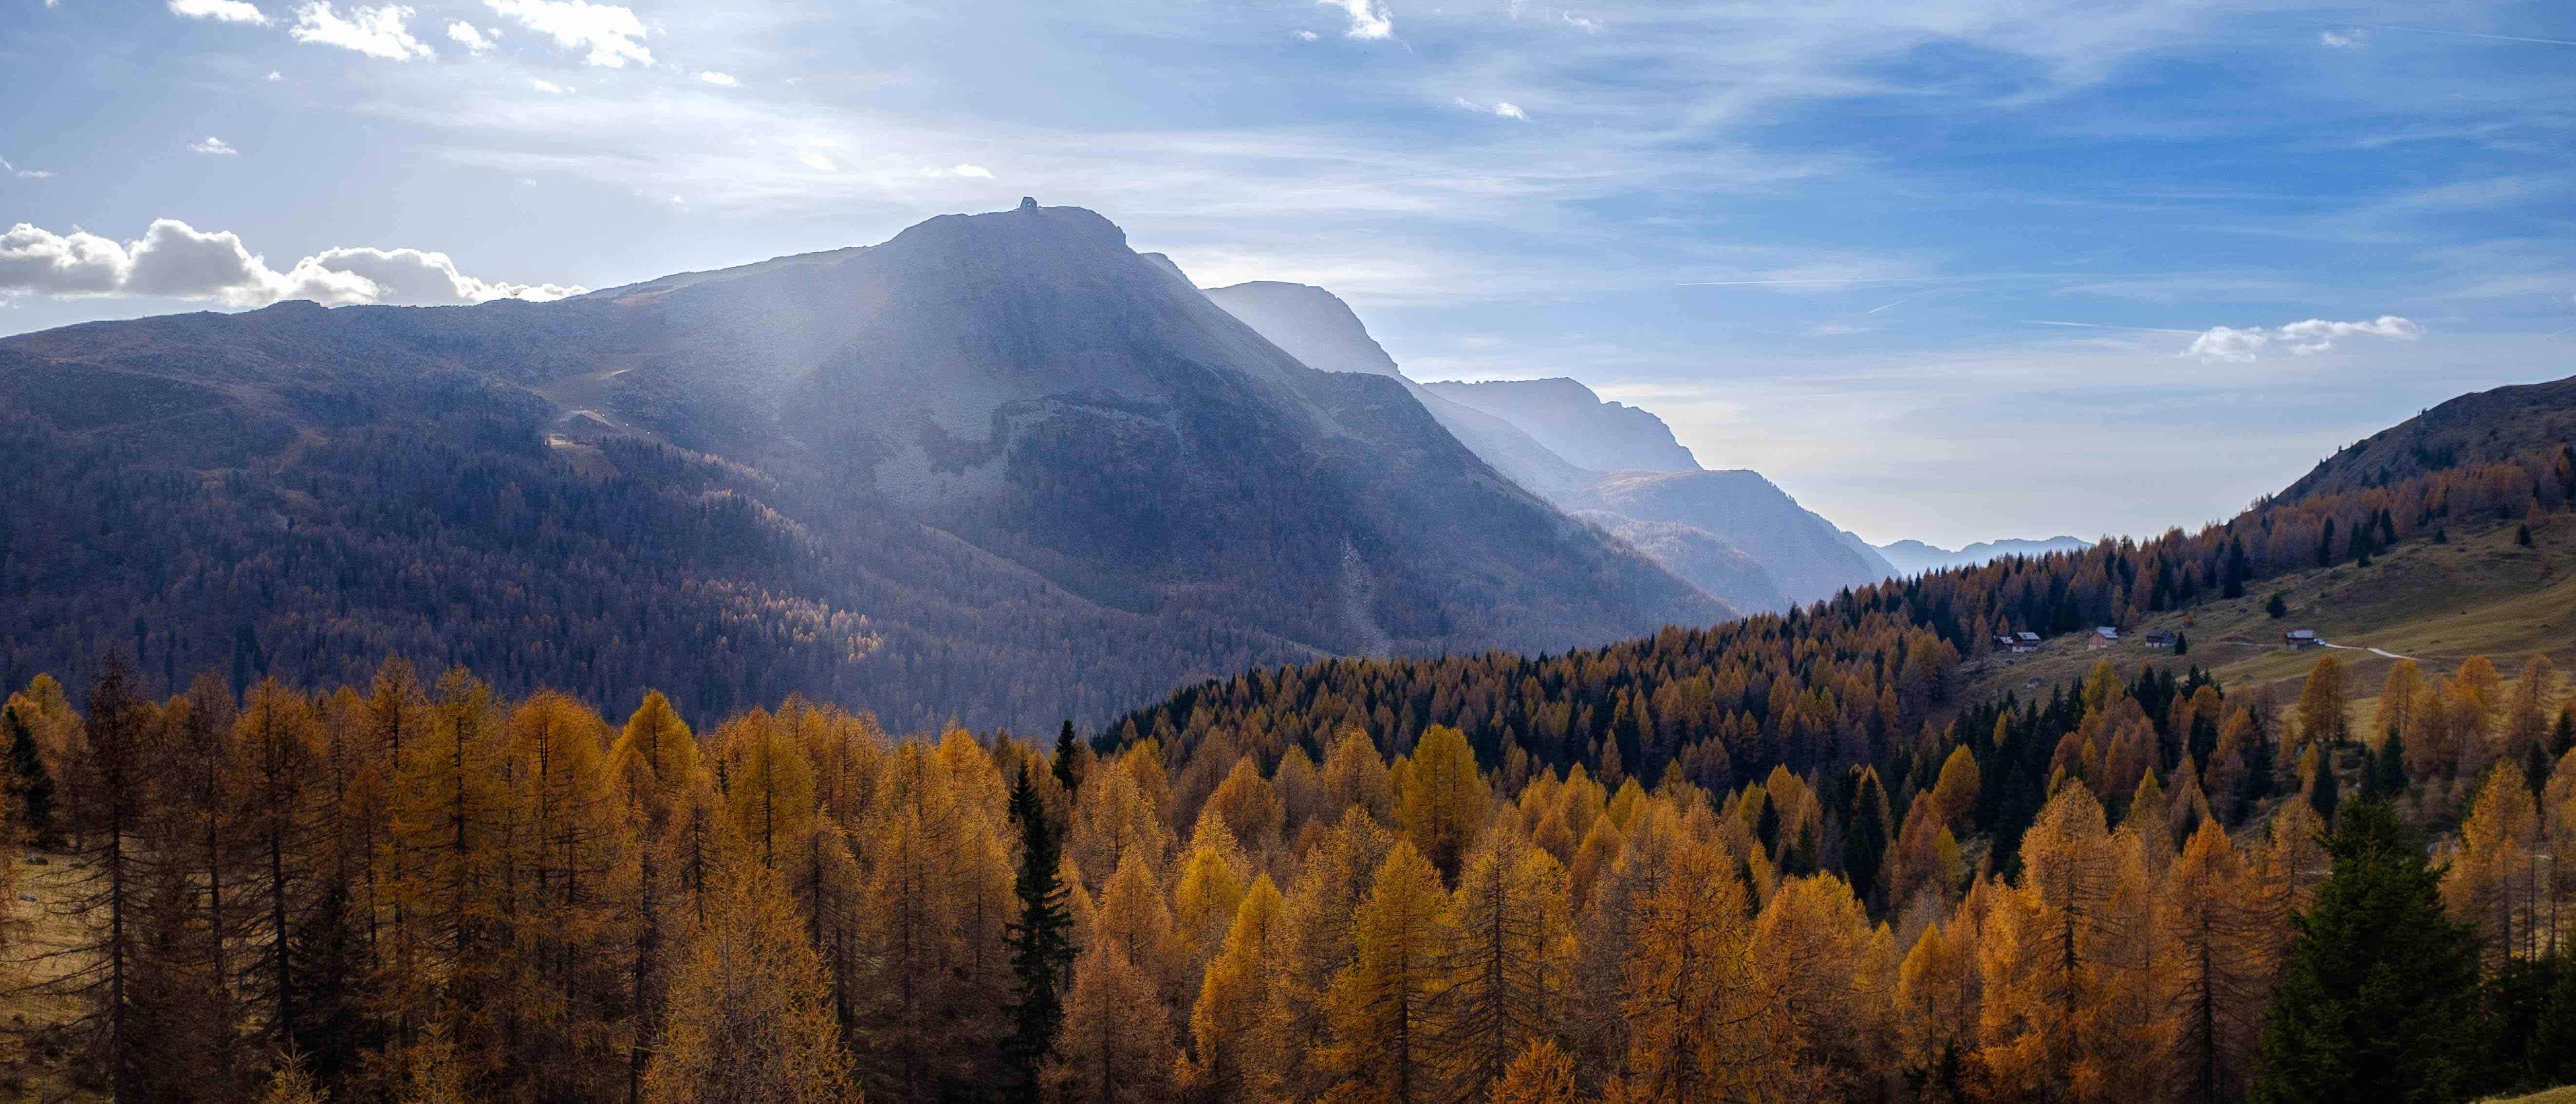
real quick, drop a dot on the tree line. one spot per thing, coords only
(2140, 887)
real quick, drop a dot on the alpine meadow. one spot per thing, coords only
(1638, 552)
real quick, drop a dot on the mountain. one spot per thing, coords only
(2486, 427)
(1732, 534)
(1320, 330)
(1700, 556)
(1807, 557)
(1913, 557)
(1576, 424)
(1000, 467)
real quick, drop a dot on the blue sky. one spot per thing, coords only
(1955, 269)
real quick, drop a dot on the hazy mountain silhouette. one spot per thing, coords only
(1914, 557)
(1000, 464)
(1732, 534)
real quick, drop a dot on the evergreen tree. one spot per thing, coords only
(2388, 780)
(2277, 607)
(2327, 793)
(1068, 772)
(1041, 940)
(2378, 995)
(31, 786)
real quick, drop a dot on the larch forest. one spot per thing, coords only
(1786, 858)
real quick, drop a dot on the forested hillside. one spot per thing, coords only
(429, 893)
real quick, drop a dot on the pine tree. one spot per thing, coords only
(2377, 996)
(2388, 778)
(1068, 769)
(29, 782)
(1041, 939)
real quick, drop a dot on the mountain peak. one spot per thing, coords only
(1570, 419)
(1312, 324)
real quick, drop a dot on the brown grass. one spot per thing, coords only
(37, 1060)
(2480, 594)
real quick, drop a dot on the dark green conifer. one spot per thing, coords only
(1041, 943)
(2378, 997)
(32, 786)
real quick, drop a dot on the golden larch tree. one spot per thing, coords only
(1381, 1005)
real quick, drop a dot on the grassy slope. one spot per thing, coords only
(37, 1061)
(2480, 594)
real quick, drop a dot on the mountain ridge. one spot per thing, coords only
(993, 443)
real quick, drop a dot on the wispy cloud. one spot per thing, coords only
(212, 147)
(546, 86)
(1502, 108)
(15, 172)
(720, 80)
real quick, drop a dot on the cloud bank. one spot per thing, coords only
(2316, 335)
(178, 261)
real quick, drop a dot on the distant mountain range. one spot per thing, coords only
(1000, 468)
(1731, 533)
(1913, 557)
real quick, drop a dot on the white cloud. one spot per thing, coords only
(978, 172)
(221, 11)
(375, 32)
(813, 160)
(2228, 343)
(543, 85)
(610, 32)
(79, 263)
(467, 35)
(2316, 335)
(720, 80)
(7, 169)
(275, 76)
(2344, 40)
(176, 260)
(1306, 36)
(212, 147)
(1503, 108)
(1369, 18)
